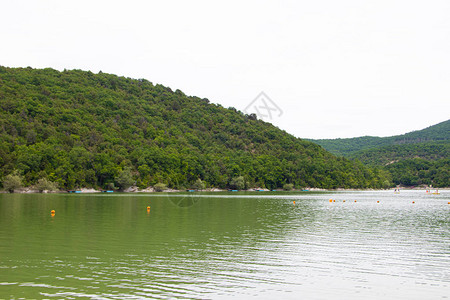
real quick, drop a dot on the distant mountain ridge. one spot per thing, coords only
(390, 154)
(419, 157)
(347, 147)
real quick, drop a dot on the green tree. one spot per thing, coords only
(199, 185)
(288, 187)
(238, 183)
(110, 186)
(125, 179)
(12, 182)
(159, 187)
(44, 184)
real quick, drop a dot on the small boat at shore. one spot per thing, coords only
(74, 192)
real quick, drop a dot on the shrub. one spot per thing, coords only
(288, 187)
(159, 187)
(12, 182)
(125, 179)
(110, 186)
(199, 185)
(45, 184)
(238, 183)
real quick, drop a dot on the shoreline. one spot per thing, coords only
(150, 190)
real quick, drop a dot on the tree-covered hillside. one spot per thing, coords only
(417, 158)
(418, 171)
(387, 155)
(425, 163)
(347, 147)
(80, 129)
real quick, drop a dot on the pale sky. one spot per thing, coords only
(332, 68)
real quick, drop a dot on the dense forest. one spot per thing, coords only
(386, 155)
(346, 147)
(417, 158)
(80, 129)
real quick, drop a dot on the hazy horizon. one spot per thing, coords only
(328, 69)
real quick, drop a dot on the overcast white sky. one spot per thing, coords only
(334, 68)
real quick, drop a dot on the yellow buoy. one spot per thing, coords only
(52, 212)
(343, 201)
(331, 200)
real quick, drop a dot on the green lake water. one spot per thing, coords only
(225, 245)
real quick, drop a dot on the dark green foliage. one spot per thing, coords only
(80, 129)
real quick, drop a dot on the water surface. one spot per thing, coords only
(229, 245)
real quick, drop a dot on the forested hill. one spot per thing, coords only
(347, 147)
(417, 158)
(425, 163)
(81, 129)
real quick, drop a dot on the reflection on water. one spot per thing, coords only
(199, 246)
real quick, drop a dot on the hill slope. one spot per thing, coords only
(412, 164)
(81, 129)
(415, 158)
(347, 147)
(387, 155)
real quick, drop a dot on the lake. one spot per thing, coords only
(226, 245)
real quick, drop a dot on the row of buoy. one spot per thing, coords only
(378, 201)
(53, 212)
(332, 200)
